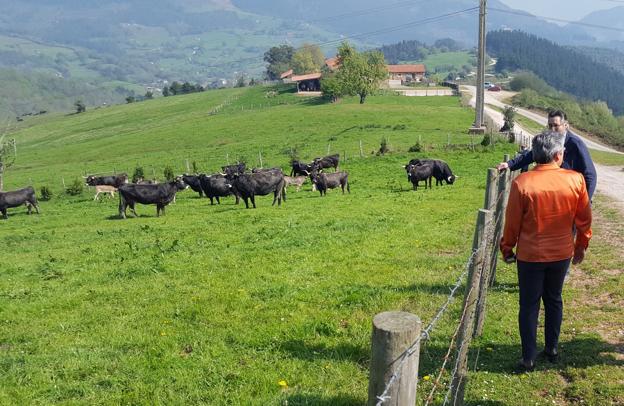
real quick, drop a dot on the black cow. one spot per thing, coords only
(441, 170)
(161, 195)
(300, 169)
(216, 186)
(258, 170)
(420, 172)
(330, 161)
(249, 185)
(17, 198)
(236, 169)
(193, 182)
(114, 180)
(324, 181)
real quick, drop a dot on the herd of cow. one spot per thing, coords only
(235, 181)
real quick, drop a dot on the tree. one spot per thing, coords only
(509, 114)
(80, 107)
(279, 60)
(308, 59)
(166, 92)
(240, 82)
(360, 73)
(149, 95)
(331, 87)
(130, 99)
(8, 153)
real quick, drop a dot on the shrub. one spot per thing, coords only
(415, 148)
(383, 147)
(46, 193)
(138, 174)
(76, 188)
(168, 172)
(195, 167)
(399, 127)
(487, 140)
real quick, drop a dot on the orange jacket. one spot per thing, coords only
(544, 204)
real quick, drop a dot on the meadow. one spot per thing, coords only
(223, 305)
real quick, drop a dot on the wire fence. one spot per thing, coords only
(479, 274)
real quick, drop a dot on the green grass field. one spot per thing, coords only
(223, 305)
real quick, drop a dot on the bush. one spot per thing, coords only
(138, 174)
(168, 172)
(76, 188)
(46, 193)
(383, 147)
(487, 140)
(415, 148)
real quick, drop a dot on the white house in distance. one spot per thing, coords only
(404, 74)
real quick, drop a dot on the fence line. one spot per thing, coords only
(480, 268)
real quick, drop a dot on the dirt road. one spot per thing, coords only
(610, 178)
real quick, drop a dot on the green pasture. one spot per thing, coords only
(223, 305)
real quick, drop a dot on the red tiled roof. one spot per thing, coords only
(332, 63)
(289, 72)
(307, 76)
(419, 68)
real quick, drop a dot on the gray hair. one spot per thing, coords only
(546, 145)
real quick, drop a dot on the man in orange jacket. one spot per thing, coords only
(545, 204)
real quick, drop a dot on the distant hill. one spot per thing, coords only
(609, 57)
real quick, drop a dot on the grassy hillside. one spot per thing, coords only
(223, 305)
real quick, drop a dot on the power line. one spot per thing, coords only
(369, 33)
(560, 20)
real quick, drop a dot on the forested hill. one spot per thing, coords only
(563, 68)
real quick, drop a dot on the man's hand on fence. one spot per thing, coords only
(502, 166)
(579, 256)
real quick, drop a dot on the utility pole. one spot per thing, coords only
(479, 104)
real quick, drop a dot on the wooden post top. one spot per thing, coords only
(396, 321)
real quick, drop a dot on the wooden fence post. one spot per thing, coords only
(491, 197)
(393, 334)
(504, 184)
(361, 150)
(466, 328)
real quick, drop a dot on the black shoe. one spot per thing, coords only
(551, 356)
(524, 366)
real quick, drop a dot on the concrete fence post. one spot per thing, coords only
(393, 333)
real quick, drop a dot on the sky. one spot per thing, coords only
(564, 9)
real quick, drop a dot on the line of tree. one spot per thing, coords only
(561, 67)
(306, 59)
(417, 51)
(181, 88)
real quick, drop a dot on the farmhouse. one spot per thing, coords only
(403, 74)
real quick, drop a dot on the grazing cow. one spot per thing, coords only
(300, 168)
(115, 180)
(420, 172)
(294, 180)
(258, 170)
(141, 181)
(249, 185)
(324, 181)
(441, 170)
(215, 186)
(236, 169)
(194, 183)
(104, 189)
(330, 161)
(161, 195)
(17, 198)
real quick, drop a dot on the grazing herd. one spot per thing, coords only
(234, 180)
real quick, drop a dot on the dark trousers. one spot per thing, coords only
(540, 280)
